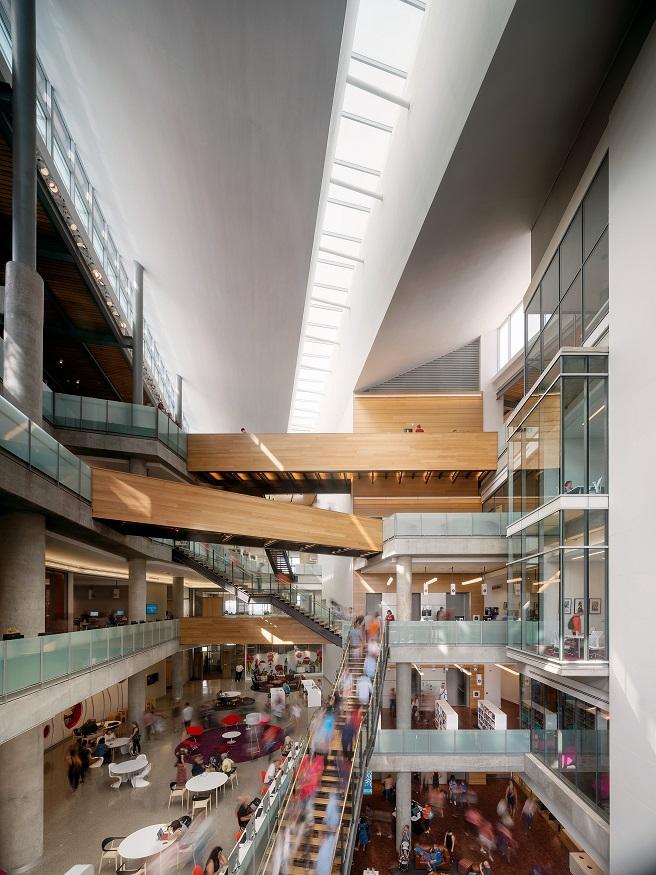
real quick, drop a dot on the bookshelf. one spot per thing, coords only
(445, 716)
(491, 717)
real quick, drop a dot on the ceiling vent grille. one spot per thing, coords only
(457, 371)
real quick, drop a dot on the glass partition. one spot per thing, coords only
(455, 632)
(438, 525)
(28, 442)
(31, 662)
(456, 741)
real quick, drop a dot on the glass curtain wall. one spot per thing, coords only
(572, 296)
(558, 441)
(557, 587)
(571, 737)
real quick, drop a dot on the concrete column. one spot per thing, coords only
(137, 334)
(22, 572)
(70, 601)
(403, 803)
(177, 658)
(137, 697)
(178, 597)
(404, 588)
(138, 466)
(21, 801)
(137, 589)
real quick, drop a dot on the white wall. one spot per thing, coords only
(492, 406)
(632, 203)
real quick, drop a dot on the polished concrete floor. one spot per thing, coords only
(76, 823)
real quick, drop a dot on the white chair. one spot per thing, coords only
(233, 778)
(109, 850)
(177, 793)
(96, 763)
(139, 780)
(113, 774)
(201, 804)
(141, 760)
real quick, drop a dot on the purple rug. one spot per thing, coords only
(251, 744)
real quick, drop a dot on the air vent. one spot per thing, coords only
(457, 371)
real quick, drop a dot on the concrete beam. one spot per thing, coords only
(121, 447)
(587, 828)
(475, 654)
(590, 669)
(36, 706)
(456, 549)
(447, 762)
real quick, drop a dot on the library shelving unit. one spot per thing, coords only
(445, 716)
(491, 717)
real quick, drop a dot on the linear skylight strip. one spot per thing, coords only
(328, 305)
(416, 4)
(376, 92)
(351, 187)
(348, 204)
(369, 122)
(322, 340)
(330, 287)
(342, 162)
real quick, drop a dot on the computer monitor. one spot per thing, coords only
(94, 613)
(119, 613)
(152, 608)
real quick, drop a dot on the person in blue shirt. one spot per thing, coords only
(198, 767)
(434, 857)
(363, 833)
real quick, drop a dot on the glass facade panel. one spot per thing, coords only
(595, 210)
(595, 286)
(573, 406)
(533, 318)
(533, 363)
(571, 322)
(550, 291)
(571, 253)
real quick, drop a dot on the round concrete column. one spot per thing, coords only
(137, 589)
(22, 572)
(403, 803)
(137, 697)
(404, 588)
(21, 801)
(178, 597)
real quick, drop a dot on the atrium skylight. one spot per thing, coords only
(384, 47)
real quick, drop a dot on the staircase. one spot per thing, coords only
(279, 562)
(224, 569)
(305, 859)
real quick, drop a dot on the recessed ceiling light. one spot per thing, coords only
(52, 185)
(73, 226)
(44, 171)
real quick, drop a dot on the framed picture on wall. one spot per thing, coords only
(479, 680)
(476, 694)
(476, 617)
(567, 606)
(594, 606)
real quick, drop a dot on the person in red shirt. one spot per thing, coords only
(419, 428)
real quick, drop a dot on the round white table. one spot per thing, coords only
(117, 744)
(130, 767)
(232, 694)
(207, 782)
(144, 843)
(231, 736)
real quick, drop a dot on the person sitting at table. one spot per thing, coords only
(103, 751)
(198, 767)
(175, 829)
(287, 746)
(244, 812)
(215, 862)
(228, 766)
(110, 735)
(271, 772)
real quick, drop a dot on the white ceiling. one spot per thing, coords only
(203, 126)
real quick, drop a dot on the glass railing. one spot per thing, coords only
(113, 417)
(226, 563)
(87, 222)
(436, 525)
(448, 632)
(25, 440)
(32, 662)
(465, 741)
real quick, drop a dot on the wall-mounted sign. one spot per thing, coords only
(368, 788)
(484, 589)
(453, 589)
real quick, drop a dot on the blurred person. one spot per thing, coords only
(365, 689)
(281, 852)
(228, 766)
(415, 708)
(453, 790)
(331, 817)
(462, 792)
(389, 616)
(473, 820)
(528, 812)
(215, 862)
(374, 627)
(505, 841)
(187, 715)
(485, 868)
(434, 856)
(349, 732)
(74, 767)
(426, 817)
(356, 637)
(198, 767)
(287, 746)
(426, 781)
(486, 838)
(393, 702)
(85, 759)
(244, 811)
(103, 751)
(369, 667)
(511, 798)
(363, 834)
(388, 788)
(437, 798)
(180, 771)
(135, 738)
(325, 854)
(272, 771)
(147, 721)
(449, 841)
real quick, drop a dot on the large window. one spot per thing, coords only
(557, 587)
(558, 439)
(572, 296)
(571, 737)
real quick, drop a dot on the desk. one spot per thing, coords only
(144, 843)
(207, 782)
(231, 736)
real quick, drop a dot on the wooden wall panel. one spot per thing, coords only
(380, 507)
(448, 451)
(436, 413)
(150, 501)
(199, 631)
(437, 487)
